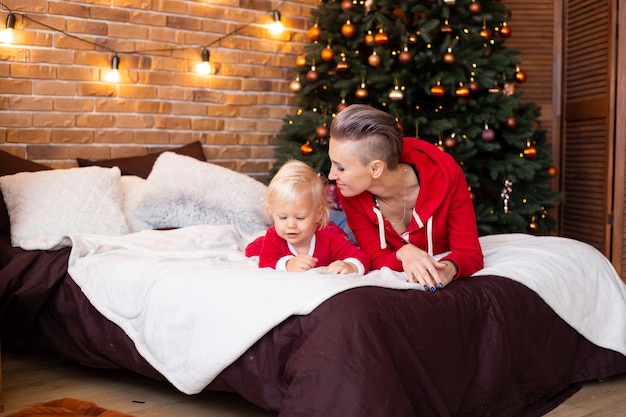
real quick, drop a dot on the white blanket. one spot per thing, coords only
(193, 303)
(572, 277)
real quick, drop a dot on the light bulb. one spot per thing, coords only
(277, 27)
(6, 35)
(205, 67)
(113, 76)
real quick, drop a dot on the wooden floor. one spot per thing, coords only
(28, 379)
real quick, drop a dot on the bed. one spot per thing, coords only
(544, 316)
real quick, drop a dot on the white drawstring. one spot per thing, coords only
(381, 227)
(429, 234)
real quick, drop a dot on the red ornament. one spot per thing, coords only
(474, 85)
(511, 122)
(312, 76)
(321, 131)
(342, 65)
(381, 38)
(446, 28)
(530, 151)
(450, 141)
(552, 170)
(405, 57)
(346, 4)
(306, 149)
(437, 90)
(342, 105)
(505, 30)
(475, 7)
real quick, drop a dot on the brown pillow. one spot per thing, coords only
(9, 165)
(142, 165)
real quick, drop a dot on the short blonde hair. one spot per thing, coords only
(291, 181)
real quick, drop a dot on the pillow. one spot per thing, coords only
(132, 187)
(11, 164)
(142, 165)
(51, 204)
(182, 191)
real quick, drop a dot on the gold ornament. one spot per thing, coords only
(314, 33)
(374, 59)
(396, 94)
(437, 90)
(306, 149)
(361, 93)
(295, 86)
(462, 91)
(448, 57)
(328, 54)
(301, 61)
(348, 29)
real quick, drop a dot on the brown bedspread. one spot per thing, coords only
(484, 346)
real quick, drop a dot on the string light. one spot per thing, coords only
(6, 36)
(205, 67)
(277, 27)
(113, 76)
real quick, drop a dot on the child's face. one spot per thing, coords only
(298, 221)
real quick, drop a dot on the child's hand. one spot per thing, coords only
(301, 263)
(341, 267)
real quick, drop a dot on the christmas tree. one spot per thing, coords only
(442, 69)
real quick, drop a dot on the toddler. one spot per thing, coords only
(301, 236)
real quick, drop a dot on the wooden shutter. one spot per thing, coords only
(588, 127)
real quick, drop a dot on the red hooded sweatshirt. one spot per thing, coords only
(443, 222)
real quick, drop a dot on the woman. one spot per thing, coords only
(406, 201)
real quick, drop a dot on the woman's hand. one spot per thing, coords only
(341, 267)
(422, 268)
(301, 263)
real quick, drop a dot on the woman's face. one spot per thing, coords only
(351, 176)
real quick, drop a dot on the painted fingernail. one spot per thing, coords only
(432, 289)
(426, 287)
(440, 285)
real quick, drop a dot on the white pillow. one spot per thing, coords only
(132, 188)
(51, 204)
(182, 191)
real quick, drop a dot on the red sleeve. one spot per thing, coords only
(342, 248)
(274, 248)
(465, 250)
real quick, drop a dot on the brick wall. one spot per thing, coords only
(55, 104)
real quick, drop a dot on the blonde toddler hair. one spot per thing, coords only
(291, 181)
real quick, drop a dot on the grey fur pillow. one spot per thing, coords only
(182, 191)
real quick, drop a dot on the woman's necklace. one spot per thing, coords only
(401, 221)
